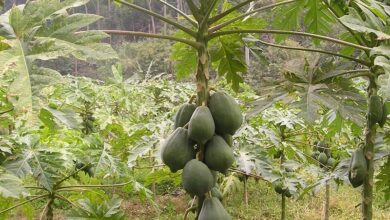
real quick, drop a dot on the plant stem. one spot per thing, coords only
(325, 215)
(190, 20)
(283, 215)
(22, 203)
(70, 175)
(224, 24)
(262, 31)
(72, 203)
(314, 50)
(368, 184)
(95, 186)
(230, 10)
(151, 13)
(143, 34)
(194, 10)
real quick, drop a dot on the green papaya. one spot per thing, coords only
(375, 110)
(322, 158)
(212, 209)
(228, 138)
(197, 178)
(218, 155)
(184, 114)
(226, 113)
(357, 168)
(278, 187)
(201, 126)
(385, 112)
(287, 193)
(331, 163)
(215, 192)
(177, 150)
(315, 154)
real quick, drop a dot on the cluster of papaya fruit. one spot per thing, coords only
(281, 189)
(357, 167)
(377, 111)
(321, 153)
(201, 145)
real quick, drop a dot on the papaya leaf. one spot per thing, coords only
(384, 178)
(48, 116)
(355, 22)
(43, 30)
(312, 13)
(185, 59)
(11, 186)
(228, 59)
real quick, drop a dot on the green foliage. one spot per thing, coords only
(95, 210)
(312, 13)
(43, 30)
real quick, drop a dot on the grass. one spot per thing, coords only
(264, 203)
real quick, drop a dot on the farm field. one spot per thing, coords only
(194, 109)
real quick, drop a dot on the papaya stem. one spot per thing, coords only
(368, 184)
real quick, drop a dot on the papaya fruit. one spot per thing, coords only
(385, 112)
(278, 187)
(357, 168)
(215, 192)
(177, 150)
(226, 113)
(228, 138)
(322, 158)
(315, 154)
(331, 163)
(287, 193)
(218, 155)
(201, 126)
(375, 110)
(184, 114)
(212, 209)
(197, 178)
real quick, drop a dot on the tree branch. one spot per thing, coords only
(95, 186)
(70, 175)
(262, 31)
(72, 203)
(230, 10)
(193, 22)
(151, 13)
(314, 50)
(143, 34)
(6, 111)
(22, 203)
(193, 8)
(226, 23)
(207, 15)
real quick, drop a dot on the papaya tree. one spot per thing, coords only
(213, 36)
(39, 31)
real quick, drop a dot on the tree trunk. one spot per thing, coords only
(370, 133)
(325, 213)
(246, 192)
(153, 24)
(283, 215)
(98, 13)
